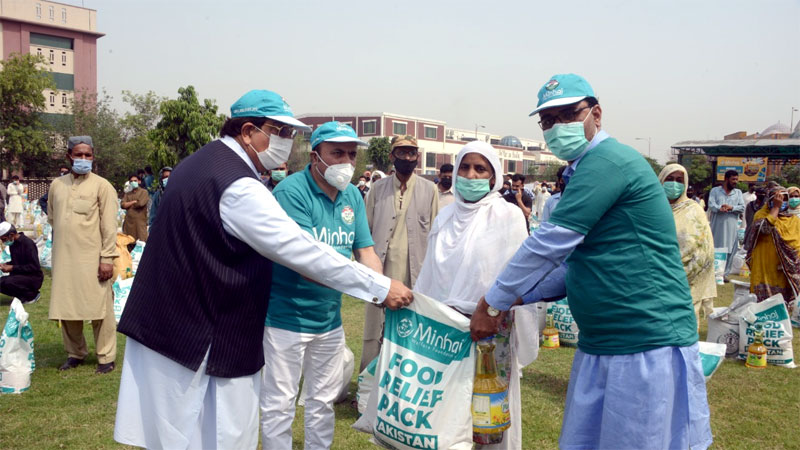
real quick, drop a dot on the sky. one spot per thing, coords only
(666, 71)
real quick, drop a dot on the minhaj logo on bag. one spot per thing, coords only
(552, 84)
(405, 327)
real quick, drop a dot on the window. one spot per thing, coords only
(52, 99)
(38, 10)
(370, 126)
(430, 159)
(63, 15)
(63, 58)
(349, 124)
(52, 13)
(430, 132)
(52, 57)
(512, 166)
(39, 52)
(64, 99)
(399, 127)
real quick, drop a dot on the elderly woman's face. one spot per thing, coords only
(475, 167)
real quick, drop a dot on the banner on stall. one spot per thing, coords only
(750, 169)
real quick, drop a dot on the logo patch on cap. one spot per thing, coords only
(552, 84)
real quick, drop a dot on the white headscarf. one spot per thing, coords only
(471, 243)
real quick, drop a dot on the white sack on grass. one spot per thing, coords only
(424, 375)
(366, 382)
(774, 320)
(5, 257)
(720, 260)
(711, 357)
(723, 324)
(136, 256)
(738, 261)
(16, 351)
(348, 366)
(121, 290)
(45, 253)
(794, 312)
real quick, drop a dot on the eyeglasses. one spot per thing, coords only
(406, 153)
(564, 116)
(286, 131)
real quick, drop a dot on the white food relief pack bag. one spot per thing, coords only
(5, 257)
(366, 382)
(136, 256)
(773, 317)
(720, 261)
(348, 366)
(711, 357)
(121, 288)
(723, 323)
(16, 351)
(564, 322)
(424, 375)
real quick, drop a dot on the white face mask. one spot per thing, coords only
(337, 175)
(276, 153)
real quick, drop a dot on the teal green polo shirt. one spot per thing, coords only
(626, 284)
(295, 303)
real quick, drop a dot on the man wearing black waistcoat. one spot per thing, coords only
(195, 315)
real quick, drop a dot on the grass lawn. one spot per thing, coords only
(76, 409)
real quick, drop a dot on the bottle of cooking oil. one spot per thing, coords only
(550, 334)
(757, 352)
(490, 412)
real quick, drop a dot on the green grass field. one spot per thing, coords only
(76, 409)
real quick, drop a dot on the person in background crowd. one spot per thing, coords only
(3, 201)
(506, 188)
(303, 332)
(518, 197)
(638, 343)
(363, 189)
(694, 239)
(62, 170)
(692, 194)
(193, 356)
(377, 175)
(750, 195)
(541, 199)
(725, 204)
(14, 210)
(773, 248)
(552, 202)
(466, 253)
(158, 193)
(445, 185)
(146, 182)
(277, 175)
(794, 201)
(400, 211)
(83, 214)
(25, 276)
(752, 208)
(368, 176)
(135, 202)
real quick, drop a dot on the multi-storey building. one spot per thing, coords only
(438, 143)
(65, 35)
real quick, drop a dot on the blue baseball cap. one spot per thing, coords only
(563, 89)
(334, 132)
(263, 103)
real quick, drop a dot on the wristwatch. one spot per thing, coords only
(493, 312)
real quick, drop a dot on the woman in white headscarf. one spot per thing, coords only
(470, 243)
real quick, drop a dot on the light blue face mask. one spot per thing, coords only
(472, 190)
(567, 140)
(278, 175)
(673, 189)
(134, 185)
(164, 182)
(82, 166)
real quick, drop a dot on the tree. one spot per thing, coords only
(299, 158)
(654, 164)
(378, 153)
(22, 81)
(184, 127)
(550, 172)
(792, 174)
(698, 168)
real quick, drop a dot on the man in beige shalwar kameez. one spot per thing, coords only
(135, 205)
(82, 209)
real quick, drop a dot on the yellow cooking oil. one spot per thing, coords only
(490, 411)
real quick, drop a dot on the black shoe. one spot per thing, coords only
(33, 300)
(105, 368)
(71, 363)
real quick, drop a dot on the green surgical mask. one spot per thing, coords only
(673, 189)
(472, 190)
(794, 202)
(277, 175)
